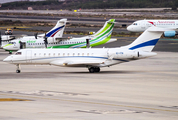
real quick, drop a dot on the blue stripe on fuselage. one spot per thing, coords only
(73, 57)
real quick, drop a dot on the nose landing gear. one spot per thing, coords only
(18, 68)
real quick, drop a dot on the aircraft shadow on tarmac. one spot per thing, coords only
(31, 75)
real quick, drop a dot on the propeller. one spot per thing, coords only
(21, 45)
(46, 41)
(0, 39)
(36, 34)
(87, 43)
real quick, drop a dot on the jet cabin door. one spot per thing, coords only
(28, 56)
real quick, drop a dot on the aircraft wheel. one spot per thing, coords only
(97, 69)
(17, 71)
(91, 70)
(10, 52)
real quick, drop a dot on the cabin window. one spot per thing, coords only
(58, 54)
(78, 54)
(18, 53)
(44, 54)
(49, 54)
(83, 54)
(63, 54)
(39, 53)
(88, 54)
(73, 54)
(34, 54)
(53, 54)
(68, 54)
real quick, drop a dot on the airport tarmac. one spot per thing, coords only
(139, 90)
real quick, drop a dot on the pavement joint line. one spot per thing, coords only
(106, 104)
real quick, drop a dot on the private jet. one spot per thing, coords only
(91, 58)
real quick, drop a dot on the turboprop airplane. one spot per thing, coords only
(142, 25)
(101, 37)
(38, 41)
(91, 58)
(5, 39)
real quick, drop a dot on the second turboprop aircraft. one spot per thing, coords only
(53, 40)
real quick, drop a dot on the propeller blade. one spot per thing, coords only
(36, 34)
(0, 39)
(45, 41)
(87, 43)
(21, 46)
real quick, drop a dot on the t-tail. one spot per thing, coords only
(58, 30)
(148, 39)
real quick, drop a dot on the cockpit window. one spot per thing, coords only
(134, 23)
(12, 42)
(18, 53)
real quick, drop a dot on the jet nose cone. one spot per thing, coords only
(7, 59)
(129, 28)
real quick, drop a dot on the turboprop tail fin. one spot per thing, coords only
(58, 30)
(148, 39)
(106, 30)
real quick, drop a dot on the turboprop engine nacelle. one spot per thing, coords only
(51, 40)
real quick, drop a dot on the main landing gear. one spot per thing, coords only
(18, 68)
(94, 69)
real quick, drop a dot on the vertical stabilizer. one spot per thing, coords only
(106, 29)
(147, 40)
(58, 30)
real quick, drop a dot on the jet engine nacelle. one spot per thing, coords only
(169, 33)
(123, 54)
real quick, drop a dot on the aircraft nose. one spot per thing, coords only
(5, 47)
(129, 28)
(7, 59)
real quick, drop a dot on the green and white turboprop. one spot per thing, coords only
(38, 41)
(101, 37)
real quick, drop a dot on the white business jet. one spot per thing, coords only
(142, 25)
(92, 58)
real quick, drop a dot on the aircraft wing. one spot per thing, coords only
(77, 63)
(8, 37)
(62, 38)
